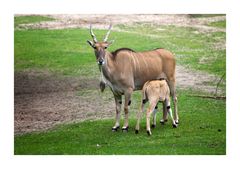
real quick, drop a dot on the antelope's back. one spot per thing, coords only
(141, 67)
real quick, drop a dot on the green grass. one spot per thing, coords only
(64, 50)
(219, 24)
(205, 15)
(30, 19)
(201, 130)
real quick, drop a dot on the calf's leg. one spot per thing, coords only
(165, 117)
(148, 115)
(154, 116)
(139, 116)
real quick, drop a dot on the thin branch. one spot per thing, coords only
(219, 84)
(210, 97)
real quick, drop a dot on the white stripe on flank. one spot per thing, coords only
(139, 67)
(145, 63)
(134, 62)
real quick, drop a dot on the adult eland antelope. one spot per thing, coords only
(125, 71)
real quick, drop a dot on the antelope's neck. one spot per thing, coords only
(108, 68)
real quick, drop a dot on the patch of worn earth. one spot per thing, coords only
(197, 80)
(42, 100)
(100, 21)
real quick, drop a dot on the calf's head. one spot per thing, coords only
(100, 47)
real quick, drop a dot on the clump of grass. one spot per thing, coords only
(219, 24)
(205, 15)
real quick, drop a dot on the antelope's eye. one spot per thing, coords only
(94, 47)
(105, 47)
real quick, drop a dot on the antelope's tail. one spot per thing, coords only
(144, 89)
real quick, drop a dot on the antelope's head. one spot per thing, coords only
(100, 47)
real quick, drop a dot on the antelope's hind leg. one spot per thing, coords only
(148, 115)
(154, 116)
(172, 86)
(165, 113)
(169, 110)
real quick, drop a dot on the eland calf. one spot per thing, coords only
(155, 91)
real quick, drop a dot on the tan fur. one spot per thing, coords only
(156, 88)
(132, 69)
(154, 91)
(125, 71)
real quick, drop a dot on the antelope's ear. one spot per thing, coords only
(91, 43)
(110, 42)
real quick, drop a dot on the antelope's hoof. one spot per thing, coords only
(115, 129)
(125, 129)
(163, 121)
(174, 125)
(136, 131)
(153, 125)
(149, 133)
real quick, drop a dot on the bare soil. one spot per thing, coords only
(100, 21)
(43, 99)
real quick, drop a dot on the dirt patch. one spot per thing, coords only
(36, 82)
(197, 80)
(43, 100)
(100, 21)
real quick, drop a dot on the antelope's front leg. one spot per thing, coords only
(126, 108)
(139, 116)
(118, 103)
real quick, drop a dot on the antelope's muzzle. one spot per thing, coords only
(101, 62)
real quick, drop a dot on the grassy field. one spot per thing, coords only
(202, 128)
(202, 131)
(63, 50)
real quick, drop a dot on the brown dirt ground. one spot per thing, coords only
(101, 20)
(42, 99)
